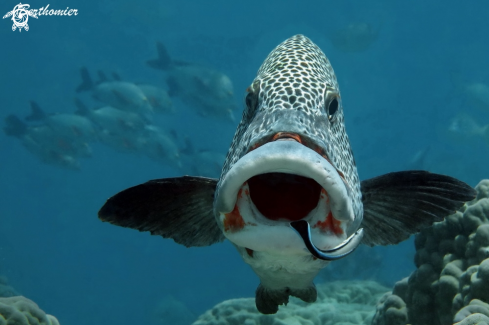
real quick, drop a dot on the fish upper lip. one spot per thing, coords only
(288, 157)
(287, 136)
(291, 136)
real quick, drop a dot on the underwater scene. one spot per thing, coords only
(259, 162)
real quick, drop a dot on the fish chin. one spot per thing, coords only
(280, 182)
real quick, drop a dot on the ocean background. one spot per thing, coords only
(399, 97)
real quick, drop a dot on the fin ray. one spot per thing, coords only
(179, 208)
(399, 204)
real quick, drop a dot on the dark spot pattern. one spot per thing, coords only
(291, 84)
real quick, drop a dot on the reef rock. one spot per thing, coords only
(19, 310)
(451, 282)
(342, 302)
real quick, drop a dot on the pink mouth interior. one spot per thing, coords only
(284, 196)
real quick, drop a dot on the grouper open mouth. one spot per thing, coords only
(286, 184)
(306, 173)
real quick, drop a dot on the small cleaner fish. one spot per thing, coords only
(289, 197)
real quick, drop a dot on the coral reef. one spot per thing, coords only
(342, 302)
(19, 310)
(475, 307)
(474, 319)
(451, 282)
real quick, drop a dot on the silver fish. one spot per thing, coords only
(464, 129)
(123, 95)
(202, 162)
(208, 91)
(46, 144)
(158, 145)
(113, 120)
(476, 93)
(158, 98)
(70, 126)
(289, 197)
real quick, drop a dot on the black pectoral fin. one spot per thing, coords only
(399, 204)
(179, 208)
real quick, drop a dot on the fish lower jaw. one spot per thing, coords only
(247, 227)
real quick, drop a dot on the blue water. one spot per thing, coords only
(397, 95)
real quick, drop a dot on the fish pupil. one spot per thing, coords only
(281, 196)
(332, 108)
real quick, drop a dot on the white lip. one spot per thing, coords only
(289, 157)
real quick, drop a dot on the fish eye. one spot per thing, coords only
(331, 105)
(251, 99)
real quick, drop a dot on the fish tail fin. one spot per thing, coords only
(37, 114)
(81, 108)
(102, 77)
(163, 61)
(14, 126)
(87, 83)
(267, 300)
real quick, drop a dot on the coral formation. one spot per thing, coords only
(475, 307)
(19, 310)
(342, 302)
(474, 319)
(451, 281)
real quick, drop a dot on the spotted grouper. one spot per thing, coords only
(289, 197)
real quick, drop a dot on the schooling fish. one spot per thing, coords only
(208, 91)
(289, 197)
(123, 95)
